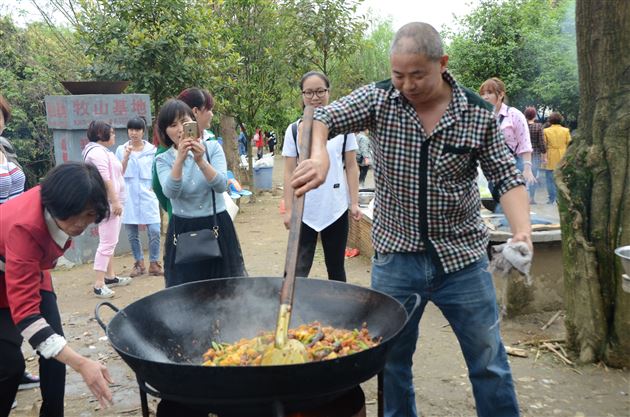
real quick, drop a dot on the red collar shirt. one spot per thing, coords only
(30, 244)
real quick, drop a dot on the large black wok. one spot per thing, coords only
(163, 336)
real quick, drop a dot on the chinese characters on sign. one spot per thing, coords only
(76, 112)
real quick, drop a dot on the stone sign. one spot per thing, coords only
(69, 118)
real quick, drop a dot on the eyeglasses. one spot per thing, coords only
(319, 93)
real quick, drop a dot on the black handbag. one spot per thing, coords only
(198, 245)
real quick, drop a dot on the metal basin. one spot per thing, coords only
(623, 253)
(365, 197)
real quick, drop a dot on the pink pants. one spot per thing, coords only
(108, 232)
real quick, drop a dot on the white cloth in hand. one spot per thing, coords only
(511, 255)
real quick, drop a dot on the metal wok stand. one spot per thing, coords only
(278, 408)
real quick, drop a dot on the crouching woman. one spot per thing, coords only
(36, 228)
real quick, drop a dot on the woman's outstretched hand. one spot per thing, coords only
(97, 378)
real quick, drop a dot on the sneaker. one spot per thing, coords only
(117, 281)
(103, 292)
(138, 269)
(28, 381)
(14, 404)
(155, 269)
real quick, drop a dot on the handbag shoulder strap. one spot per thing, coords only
(215, 226)
(214, 201)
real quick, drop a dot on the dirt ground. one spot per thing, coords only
(545, 385)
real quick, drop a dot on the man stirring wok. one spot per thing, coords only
(429, 135)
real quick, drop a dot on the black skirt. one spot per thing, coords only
(229, 265)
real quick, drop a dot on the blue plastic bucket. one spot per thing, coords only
(262, 178)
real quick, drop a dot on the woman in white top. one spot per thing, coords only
(141, 204)
(325, 208)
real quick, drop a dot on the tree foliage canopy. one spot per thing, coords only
(34, 60)
(529, 44)
(162, 46)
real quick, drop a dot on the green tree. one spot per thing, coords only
(329, 31)
(370, 62)
(34, 60)
(325, 35)
(162, 46)
(593, 189)
(256, 87)
(529, 44)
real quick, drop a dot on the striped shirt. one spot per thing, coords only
(12, 180)
(426, 186)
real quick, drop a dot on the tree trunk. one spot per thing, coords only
(228, 133)
(593, 182)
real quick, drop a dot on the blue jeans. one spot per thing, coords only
(518, 160)
(153, 230)
(551, 186)
(468, 301)
(531, 188)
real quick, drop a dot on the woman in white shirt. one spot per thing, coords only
(325, 208)
(141, 204)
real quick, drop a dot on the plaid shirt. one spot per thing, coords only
(537, 137)
(427, 197)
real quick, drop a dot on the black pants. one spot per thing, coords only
(52, 373)
(334, 239)
(363, 170)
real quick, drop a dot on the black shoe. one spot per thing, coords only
(28, 381)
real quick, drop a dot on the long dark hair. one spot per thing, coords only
(310, 74)
(197, 97)
(138, 123)
(317, 74)
(170, 111)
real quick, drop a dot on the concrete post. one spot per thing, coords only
(69, 117)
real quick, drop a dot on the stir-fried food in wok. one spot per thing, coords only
(321, 342)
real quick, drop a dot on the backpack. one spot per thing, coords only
(294, 128)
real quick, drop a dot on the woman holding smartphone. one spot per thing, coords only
(201, 103)
(193, 175)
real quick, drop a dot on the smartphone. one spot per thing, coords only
(190, 130)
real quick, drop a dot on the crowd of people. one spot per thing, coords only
(423, 136)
